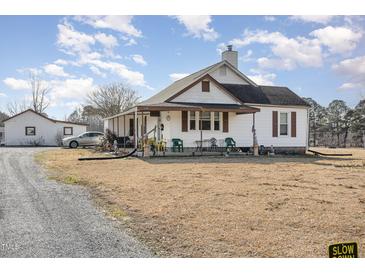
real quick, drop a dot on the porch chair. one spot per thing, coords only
(213, 144)
(230, 142)
(177, 144)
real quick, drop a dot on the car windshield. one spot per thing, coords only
(82, 135)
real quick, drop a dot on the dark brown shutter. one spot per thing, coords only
(205, 86)
(274, 124)
(225, 121)
(184, 121)
(293, 124)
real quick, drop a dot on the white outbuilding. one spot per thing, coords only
(30, 128)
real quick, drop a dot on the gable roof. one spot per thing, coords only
(181, 84)
(205, 77)
(251, 93)
(43, 116)
(271, 95)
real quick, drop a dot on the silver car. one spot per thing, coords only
(90, 138)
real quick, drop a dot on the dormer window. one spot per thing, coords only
(205, 86)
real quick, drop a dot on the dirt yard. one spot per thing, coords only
(229, 207)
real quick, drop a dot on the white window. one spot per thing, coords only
(30, 131)
(205, 120)
(283, 124)
(216, 121)
(68, 131)
(192, 122)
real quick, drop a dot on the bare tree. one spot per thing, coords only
(38, 103)
(112, 99)
(39, 92)
(3, 116)
(16, 107)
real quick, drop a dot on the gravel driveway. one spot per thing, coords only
(43, 218)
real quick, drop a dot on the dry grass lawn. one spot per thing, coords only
(229, 207)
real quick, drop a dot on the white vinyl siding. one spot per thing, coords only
(214, 96)
(240, 128)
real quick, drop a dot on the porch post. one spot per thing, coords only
(124, 130)
(118, 126)
(255, 145)
(201, 132)
(135, 129)
(113, 125)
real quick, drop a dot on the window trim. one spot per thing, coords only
(64, 131)
(205, 86)
(190, 120)
(287, 124)
(210, 120)
(26, 131)
(219, 121)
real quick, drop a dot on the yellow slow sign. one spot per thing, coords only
(343, 250)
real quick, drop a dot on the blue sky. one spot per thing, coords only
(322, 57)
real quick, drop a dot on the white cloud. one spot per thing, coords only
(3, 94)
(61, 62)
(282, 64)
(292, 52)
(320, 19)
(247, 56)
(80, 45)
(269, 18)
(72, 105)
(55, 70)
(71, 88)
(107, 40)
(198, 26)
(129, 41)
(133, 78)
(17, 84)
(97, 71)
(221, 47)
(337, 39)
(139, 59)
(263, 79)
(72, 41)
(354, 70)
(120, 23)
(177, 76)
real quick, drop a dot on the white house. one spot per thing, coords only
(218, 102)
(30, 128)
(2, 135)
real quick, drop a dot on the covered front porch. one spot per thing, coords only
(185, 129)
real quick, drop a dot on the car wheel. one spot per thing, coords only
(74, 144)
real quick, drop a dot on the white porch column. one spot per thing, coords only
(255, 145)
(135, 130)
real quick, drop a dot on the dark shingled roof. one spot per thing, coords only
(271, 95)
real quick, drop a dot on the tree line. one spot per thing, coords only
(336, 125)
